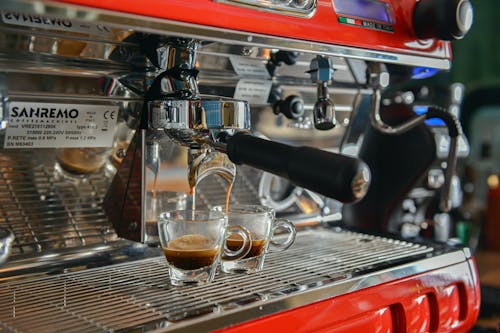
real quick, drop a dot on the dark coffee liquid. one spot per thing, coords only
(257, 248)
(226, 174)
(191, 252)
(81, 160)
(191, 259)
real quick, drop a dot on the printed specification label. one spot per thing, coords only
(53, 125)
(245, 66)
(253, 91)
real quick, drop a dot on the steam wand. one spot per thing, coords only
(321, 71)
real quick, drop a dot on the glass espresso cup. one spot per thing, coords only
(260, 221)
(76, 164)
(194, 241)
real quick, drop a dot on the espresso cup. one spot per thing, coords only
(262, 224)
(193, 242)
(76, 164)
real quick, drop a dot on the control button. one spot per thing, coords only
(442, 19)
(465, 16)
(435, 178)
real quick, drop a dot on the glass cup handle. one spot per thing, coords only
(292, 232)
(244, 249)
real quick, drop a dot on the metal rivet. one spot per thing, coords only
(246, 51)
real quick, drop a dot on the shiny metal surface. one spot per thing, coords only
(146, 24)
(114, 65)
(322, 263)
(6, 239)
(300, 8)
(451, 163)
(173, 99)
(321, 71)
(380, 125)
(378, 79)
(176, 58)
(207, 113)
(45, 213)
(324, 110)
(170, 54)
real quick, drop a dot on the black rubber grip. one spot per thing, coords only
(451, 121)
(326, 173)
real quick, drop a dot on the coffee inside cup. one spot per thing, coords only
(235, 242)
(190, 252)
(81, 160)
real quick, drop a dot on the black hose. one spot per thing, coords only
(452, 123)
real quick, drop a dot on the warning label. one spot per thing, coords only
(53, 125)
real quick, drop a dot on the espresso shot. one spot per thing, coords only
(191, 252)
(258, 246)
(193, 242)
(82, 161)
(261, 222)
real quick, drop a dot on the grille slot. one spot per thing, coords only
(137, 294)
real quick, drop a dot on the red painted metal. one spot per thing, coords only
(443, 300)
(322, 26)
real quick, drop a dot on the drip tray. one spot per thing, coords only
(322, 263)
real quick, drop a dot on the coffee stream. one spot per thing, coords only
(207, 165)
(153, 195)
(204, 165)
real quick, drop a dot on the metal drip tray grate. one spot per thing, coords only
(137, 294)
(46, 212)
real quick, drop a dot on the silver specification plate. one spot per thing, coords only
(54, 125)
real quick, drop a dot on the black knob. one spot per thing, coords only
(287, 57)
(292, 107)
(442, 19)
(281, 57)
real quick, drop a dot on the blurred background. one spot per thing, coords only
(476, 65)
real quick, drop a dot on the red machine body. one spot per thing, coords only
(323, 26)
(436, 301)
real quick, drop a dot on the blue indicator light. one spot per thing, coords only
(421, 109)
(423, 72)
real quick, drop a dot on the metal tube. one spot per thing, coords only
(378, 123)
(450, 170)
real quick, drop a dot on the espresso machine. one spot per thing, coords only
(113, 112)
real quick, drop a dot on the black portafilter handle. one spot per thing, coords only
(336, 176)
